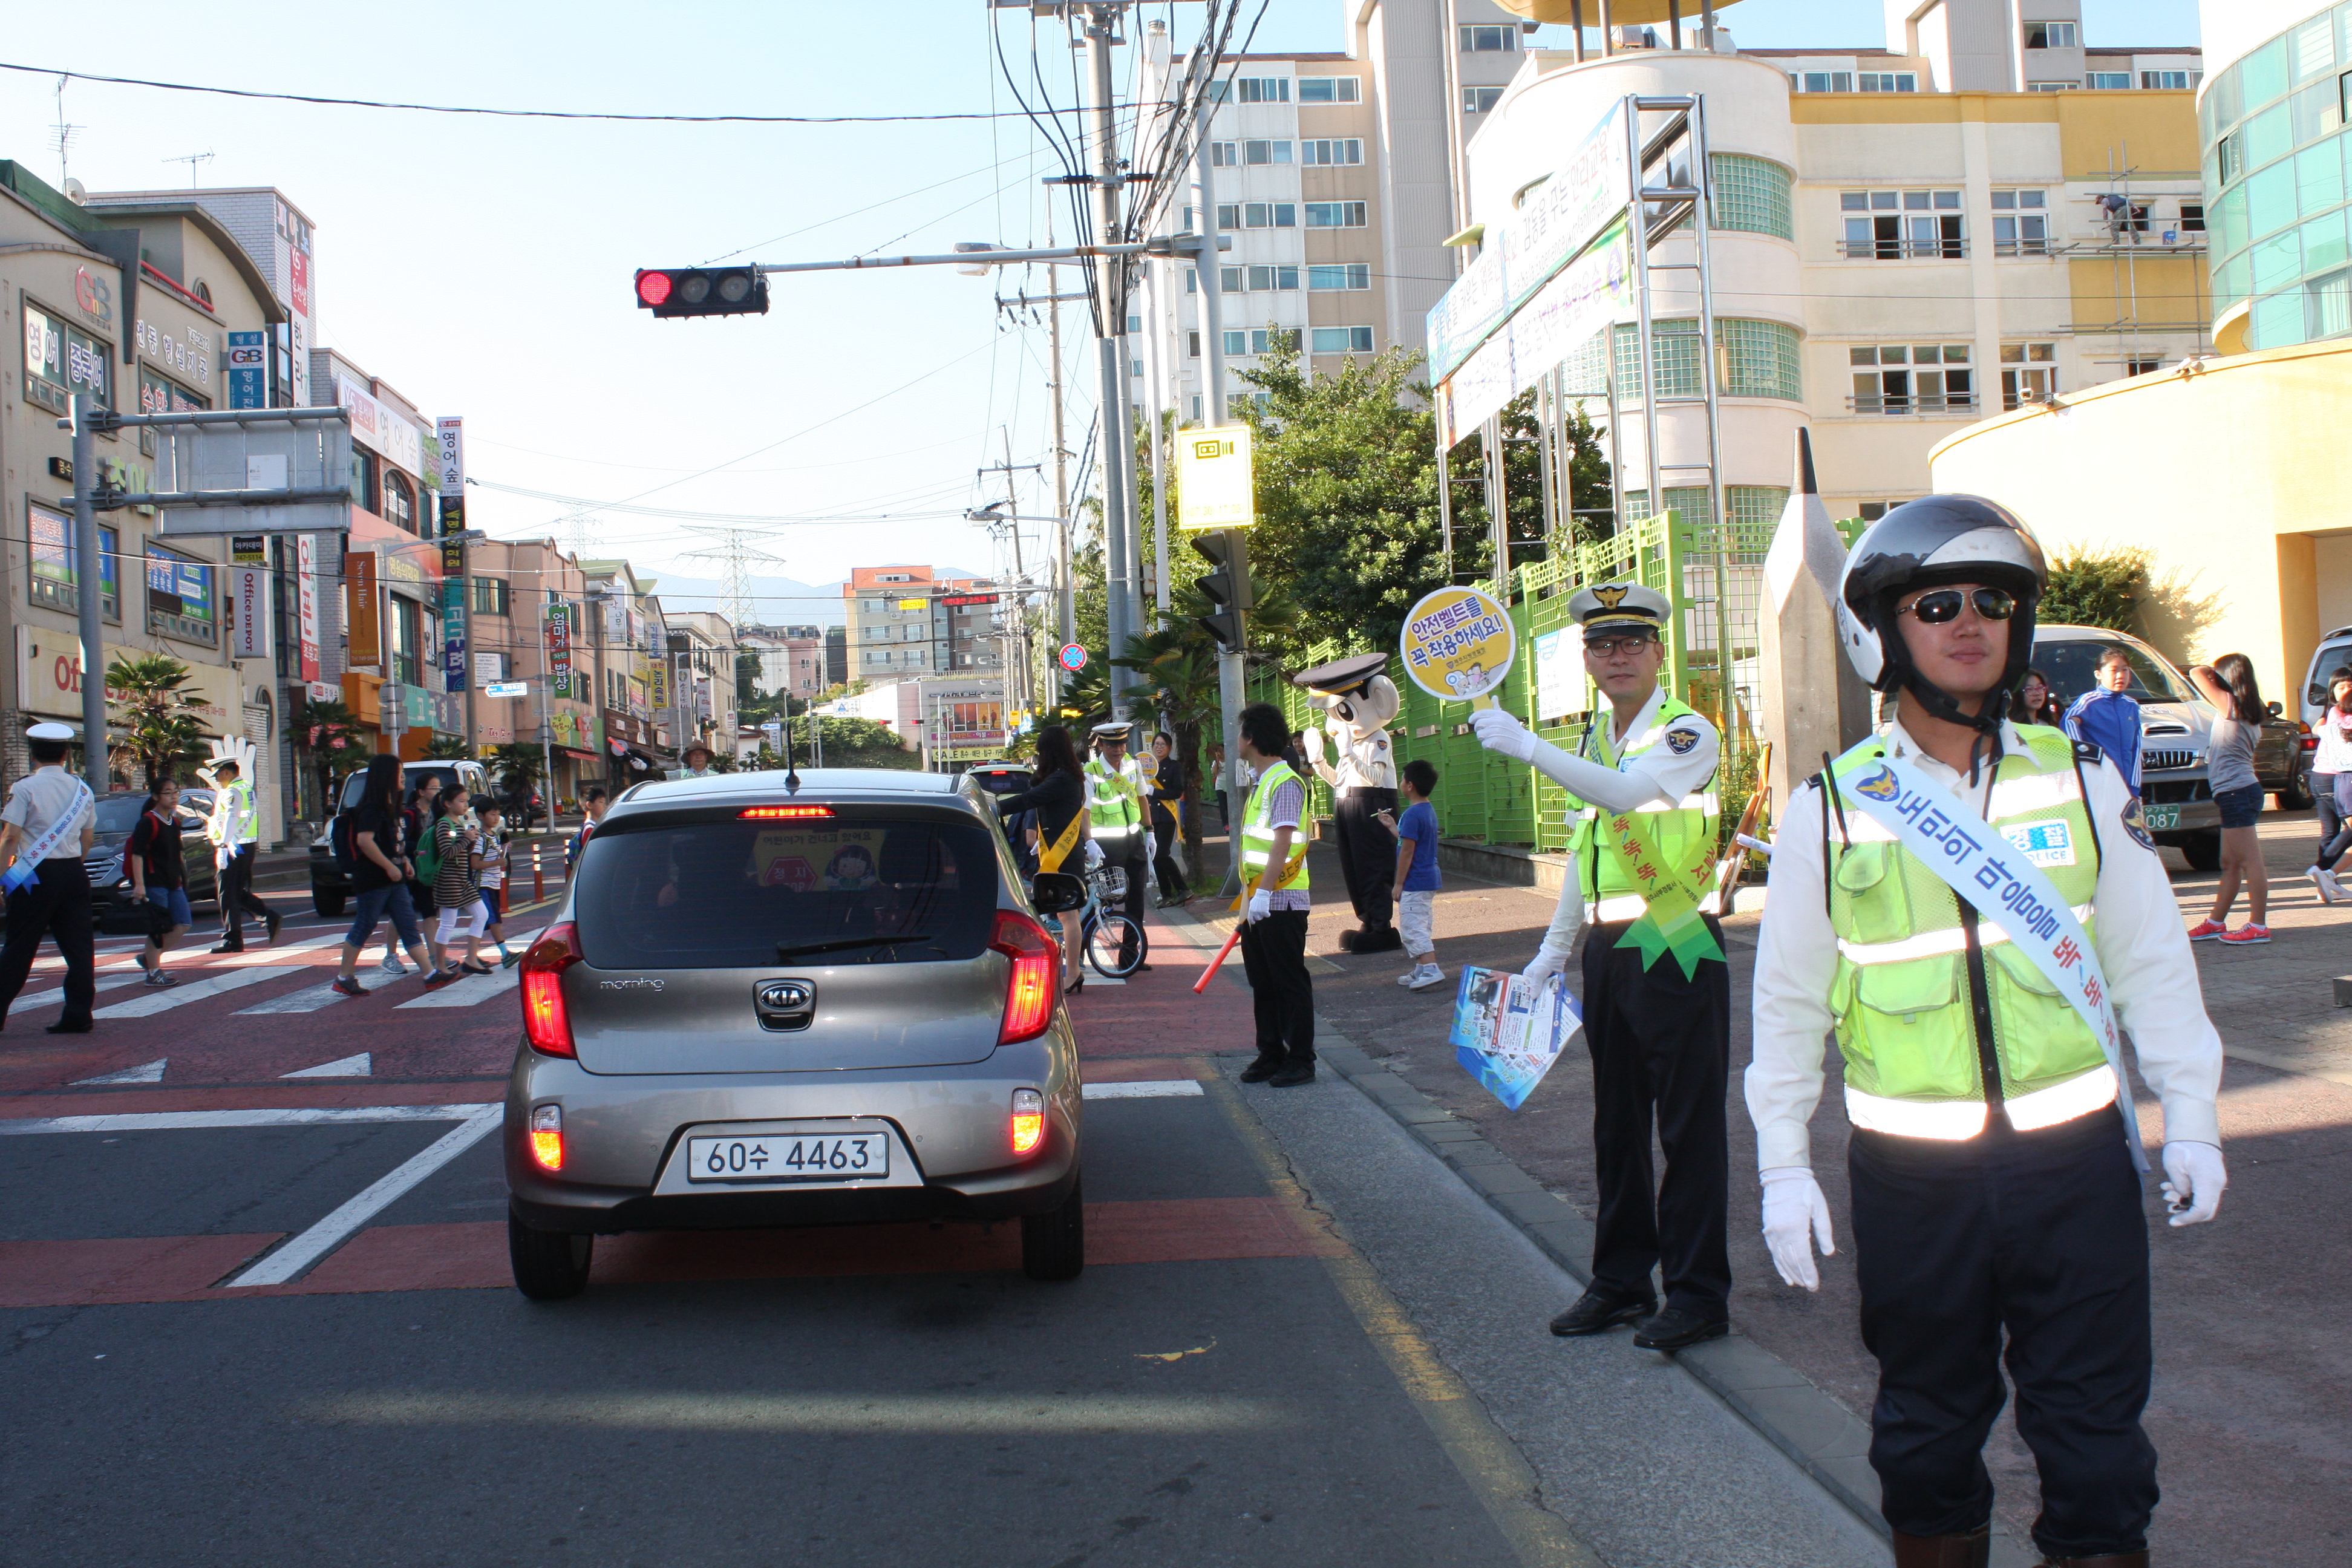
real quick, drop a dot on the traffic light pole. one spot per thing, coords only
(1231, 663)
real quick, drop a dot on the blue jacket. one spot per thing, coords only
(2109, 721)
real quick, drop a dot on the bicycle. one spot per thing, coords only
(1102, 934)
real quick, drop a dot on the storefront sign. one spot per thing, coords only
(248, 549)
(658, 686)
(559, 648)
(375, 426)
(452, 632)
(249, 590)
(969, 599)
(190, 354)
(305, 574)
(362, 607)
(451, 432)
(504, 688)
(49, 672)
(248, 370)
(1215, 478)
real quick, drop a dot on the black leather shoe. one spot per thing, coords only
(63, 1026)
(1595, 1311)
(1292, 1075)
(276, 922)
(230, 947)
(1260, 1070)
(1676, 1329)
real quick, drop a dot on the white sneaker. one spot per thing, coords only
(2331, 891)
(1427, 975)
(1409, 976)
(392, 965)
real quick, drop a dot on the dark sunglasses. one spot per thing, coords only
(1944, 605)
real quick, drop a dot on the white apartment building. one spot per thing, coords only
(908, 620)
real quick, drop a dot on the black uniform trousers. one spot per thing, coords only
(56, 903)
(1282, 994)
(236, 900)
(1367, 854)
(1661, 1049)
(2041, 1234)
(1130, 855)
(1163, 858)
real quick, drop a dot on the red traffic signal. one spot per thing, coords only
(702, 291)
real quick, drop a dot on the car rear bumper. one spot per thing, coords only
(621, 1132)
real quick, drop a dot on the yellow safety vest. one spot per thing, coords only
(1257, 832)
(1684, 834)
(1114, 802)
(1909, 996)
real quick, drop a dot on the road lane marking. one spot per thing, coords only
(43, 998)
(151, 1072)
(278, 1116)
(963, 1414)
(360, 1066)
(1145, 1088)
(180, 996)
(331, 1232)
(469, 991)
(308, 999)
(272, 955)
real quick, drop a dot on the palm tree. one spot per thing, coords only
(158, 718)
(326, 736)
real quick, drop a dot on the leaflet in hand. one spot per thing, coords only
(1507, 1033)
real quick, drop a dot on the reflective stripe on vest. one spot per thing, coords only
(1257, 832)
(1684, 833)
(1906, 1018)
(1112, 802)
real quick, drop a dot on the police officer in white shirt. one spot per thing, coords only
(51, 818)
(235, 828)
(1993, 1171)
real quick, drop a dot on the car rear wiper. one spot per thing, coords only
(848, 942)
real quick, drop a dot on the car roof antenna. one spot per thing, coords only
(791, 769)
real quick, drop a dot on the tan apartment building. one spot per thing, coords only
(700, 683)
(906, 621)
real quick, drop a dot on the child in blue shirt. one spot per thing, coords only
(1417, 881)
(2108, 719)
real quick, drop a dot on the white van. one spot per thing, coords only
(2334, 653)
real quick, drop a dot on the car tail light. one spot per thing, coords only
(1029, 995)
(784, 813)
(546, 1022)
(1028, 1120)
(547, 1137)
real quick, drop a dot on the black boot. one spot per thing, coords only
(1265, 1068)
(1943, 1550)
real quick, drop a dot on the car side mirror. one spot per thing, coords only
(2273, 708)
(1056, 892)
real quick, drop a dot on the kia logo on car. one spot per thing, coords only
(786, 995)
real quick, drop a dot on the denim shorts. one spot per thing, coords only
(172, 902)
(2240, 807)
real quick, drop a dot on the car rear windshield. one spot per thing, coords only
(889, 887)
(2073, 667)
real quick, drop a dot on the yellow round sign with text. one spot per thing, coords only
(1458, 644)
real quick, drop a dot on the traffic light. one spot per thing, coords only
(702, 291)
(1226, 584)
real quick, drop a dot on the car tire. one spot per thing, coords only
(2202, 850)
(329, 905)
(1054, 1244)
(549, 1265)
(2296, 796)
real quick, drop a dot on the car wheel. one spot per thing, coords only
(2296, 796)
(1054, 1244)
(549, 1265)
(2203, 850)
(329, 905)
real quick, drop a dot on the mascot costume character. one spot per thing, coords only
(1357, 701)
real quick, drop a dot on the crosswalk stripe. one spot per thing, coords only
(106, 982)
(310, 999)
(179, 996)
(471, 990)
(150, 1072)
(1142, 1089)
(360, 1066)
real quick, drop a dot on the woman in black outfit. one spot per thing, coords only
(1058, 796)
(1167, 796)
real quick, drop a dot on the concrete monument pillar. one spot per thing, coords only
(1813, 701)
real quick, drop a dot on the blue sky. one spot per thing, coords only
(483, 266)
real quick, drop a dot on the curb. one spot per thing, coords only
(1819, 1435)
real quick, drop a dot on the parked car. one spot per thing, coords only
(759, 1006)
(2176, 730)
(331, 884)
(111, 906)
(2334, 653)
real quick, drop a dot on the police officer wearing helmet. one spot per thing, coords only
(1116, 816)
(1933, 894)
(1657, 993)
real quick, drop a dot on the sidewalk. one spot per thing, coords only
(2254, 1394)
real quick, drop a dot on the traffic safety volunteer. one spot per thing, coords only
(1657, 993)
(1994, 1188)
(1274, 921)
(1115, 819)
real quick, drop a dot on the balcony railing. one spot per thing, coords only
(1956, 403)
(2020, 247)
(1904, 249)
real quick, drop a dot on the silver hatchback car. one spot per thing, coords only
(787, 1000)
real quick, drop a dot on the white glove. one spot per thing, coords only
(1796, 1216)
(1500, 730)
(1543, 966)
(1261, 905)
(2197, 1178)
(1094, 855)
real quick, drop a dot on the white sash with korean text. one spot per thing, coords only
(28, 859)
(2007, 890)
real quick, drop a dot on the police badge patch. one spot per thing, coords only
(1680, 741)
(2135, 823)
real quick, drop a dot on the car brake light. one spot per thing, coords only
(1028, 1120)
(547, 1137)
(546, 1022)
(783, 812)
(1029, 995)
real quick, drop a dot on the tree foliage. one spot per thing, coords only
(327, 739)
(157, 713)
(2102, 588)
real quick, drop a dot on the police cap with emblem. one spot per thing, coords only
(51, 732)
(1112, 730)
(1620, 608)
(1343, 676)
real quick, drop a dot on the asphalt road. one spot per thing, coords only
(254, 1309)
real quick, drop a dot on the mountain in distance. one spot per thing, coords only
(776, 601)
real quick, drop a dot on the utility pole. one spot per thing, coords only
(88, 572)
(1123, 591)
(1066, 600)
(1233, 666)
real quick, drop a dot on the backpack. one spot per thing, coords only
(428, 858)
(339, 843)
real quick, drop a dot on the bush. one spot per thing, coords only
(2104, 589)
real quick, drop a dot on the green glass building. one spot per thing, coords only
(2278, 165)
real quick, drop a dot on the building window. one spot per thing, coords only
(158, 396)
(1480, 99)
(180, 598)
(399, 507)
(2192, 217)
(491, 596)
(2142, 366)
(52, 580)
(1239, 404)
(1888, 82)
(2029, 374)
(1335, 215)
(1264, 152)
(2108, 81)
(2168, 81)
(1911, 378)
(2051, 86)
(1485, 40)
(1871, 511)
(1274, 340)
(1329, 89)
(1820, 81)
(404, 641)
(2327, 305)
(2050, 36)
(1752, 195)
(1135, 367)
(2019, 225)
(1343, 340)
(1349, 149)
(1275, 277)
(1192, 345)
(1761, 359)
(60, 361)
(1902, 224)
(1263, 89)
(1339, 275)
(1229, 279)
(1236, 343)
(1229, 214)
(1225, 155)
(1269, 215)
(363, 479)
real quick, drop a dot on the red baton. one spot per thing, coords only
(1210, 973)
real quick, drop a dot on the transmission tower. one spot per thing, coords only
(730, 548)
